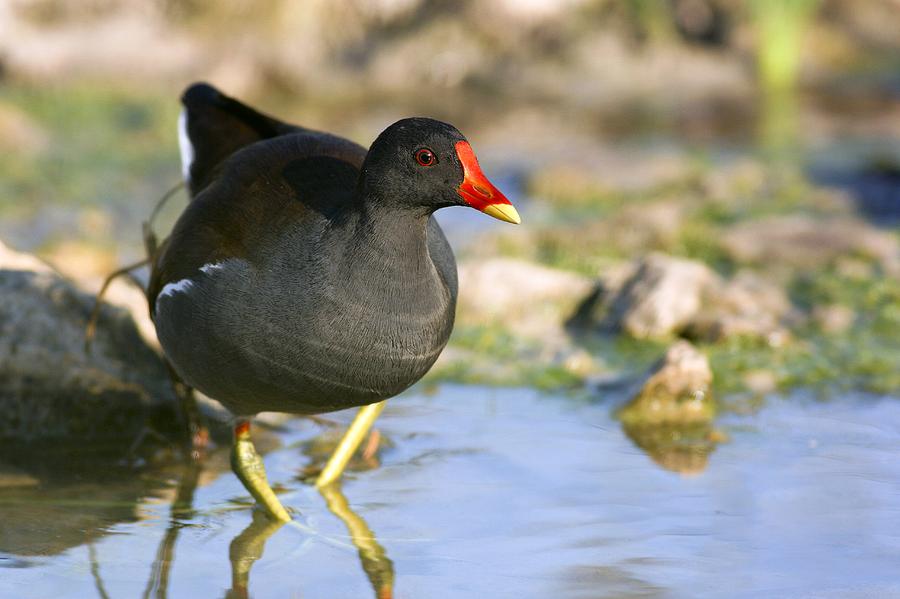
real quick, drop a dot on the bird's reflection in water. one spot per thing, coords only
(248, 547)
(245, 549)
(182, 509)
(378, 567)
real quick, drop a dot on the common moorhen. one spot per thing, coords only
(307, 274)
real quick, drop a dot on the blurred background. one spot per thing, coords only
(759, 137)
(710, 183)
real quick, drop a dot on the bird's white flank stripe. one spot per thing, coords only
(185, 147)
(209, 268)
(184, 285)
(177, 287)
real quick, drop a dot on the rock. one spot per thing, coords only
(676, 390)
(528, 297)
(804, 242)
(50, 388)
(660, 298)
(516, 308)
(670, 417)
(747, 305)
(125, 294)
(760, 381)
(833, 318)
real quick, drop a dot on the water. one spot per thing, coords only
(489, 493)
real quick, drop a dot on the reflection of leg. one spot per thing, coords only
(375, 562)
(182, 508)
(95, 571)
(245, 549)
(360, 426)
(249, 468)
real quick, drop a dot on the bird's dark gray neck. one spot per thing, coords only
(393, 239)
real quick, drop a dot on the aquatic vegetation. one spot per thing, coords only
(676, 392)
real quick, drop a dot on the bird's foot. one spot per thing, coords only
(249, 468)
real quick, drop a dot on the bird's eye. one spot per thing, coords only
(425, 157)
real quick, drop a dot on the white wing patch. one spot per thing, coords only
(185, 147)
(209, 268)
(185, 285)
(170, 289)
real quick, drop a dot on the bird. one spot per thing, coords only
(307, 274)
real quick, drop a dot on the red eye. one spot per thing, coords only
(425, 157)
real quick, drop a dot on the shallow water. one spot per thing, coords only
(491, 493)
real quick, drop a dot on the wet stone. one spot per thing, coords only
(529, 296)
(662, 296)
(50, 387)
(670, 416)
(747, 305)
(657, 298)
(833, 318)
(676, 390)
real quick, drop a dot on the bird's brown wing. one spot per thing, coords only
(285, 181)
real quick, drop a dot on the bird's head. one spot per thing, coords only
(425, 164)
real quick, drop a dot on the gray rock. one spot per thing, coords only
(528, 297)
(50, 388)
(659, 297)
(675, 391)
(747, 305)
(671, 412)
(801, 241)
(833, 318)
(528, 300)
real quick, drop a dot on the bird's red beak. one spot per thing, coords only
(478, 192)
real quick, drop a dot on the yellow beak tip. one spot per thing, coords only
(504, 212)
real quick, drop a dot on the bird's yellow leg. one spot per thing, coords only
(350, 442)
(249, 468)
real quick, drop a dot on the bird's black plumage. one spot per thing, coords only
(307, 274)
